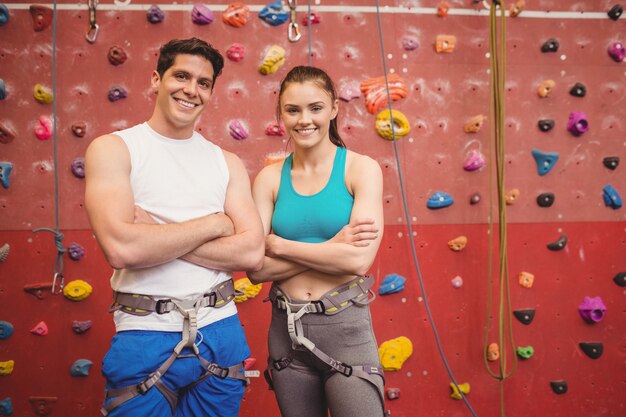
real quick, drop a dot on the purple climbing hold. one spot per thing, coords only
(78, 167)
(617, 51)
(237, 130)
(410, 44)
(155, 14)
(201, 14)
(592, 309)
(117, 93)
(577, 123)
(75, 251)
(81, 326)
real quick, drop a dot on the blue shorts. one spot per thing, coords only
(135, 354)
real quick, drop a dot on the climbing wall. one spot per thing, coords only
(565, 145)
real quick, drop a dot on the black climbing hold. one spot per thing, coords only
(615, 12)
(559, 244)
(551, 45)
(545, 199)
(611, 162)
(592, 349)
(559, 387)
(545, 124)
(578, 90)
(620, 279)
(525, 316)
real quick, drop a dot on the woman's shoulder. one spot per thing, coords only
(359, 162)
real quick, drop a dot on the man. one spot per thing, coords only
(173, 213)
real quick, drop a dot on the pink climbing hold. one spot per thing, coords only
(274, 129)
(349, 91)
(457, 282)
(201, 14)
(410, 43)
(474, 161)
(313, 19)
(44, 130)
(237, 130)
(40, 329)
(235, 52)
(617, 51)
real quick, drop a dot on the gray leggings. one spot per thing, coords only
(308, 387)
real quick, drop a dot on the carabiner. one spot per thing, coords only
(61, 279)
(92, 33)
(294, 30)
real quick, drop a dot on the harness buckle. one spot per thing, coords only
(161, 306)
(281, 364)
(218, 371)
(320, 307)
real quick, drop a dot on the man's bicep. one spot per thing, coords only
(239, 205)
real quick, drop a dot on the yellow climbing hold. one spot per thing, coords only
(6, 368)
(393, 353)
(77, 290)
(400, 124)
(465, 389)
(274, 59)
(246, 289)
(43, 94)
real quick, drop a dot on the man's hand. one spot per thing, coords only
(359, 233)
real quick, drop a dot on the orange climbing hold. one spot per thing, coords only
(526, 279)
(445, 43)
(443, 9)
(458, 243)
(375, 91)
(516, 8)
(545, 88)
(236, 15)
(493, 352)
(474, 124)
(512, 196)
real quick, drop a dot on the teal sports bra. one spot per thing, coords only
(318, 217)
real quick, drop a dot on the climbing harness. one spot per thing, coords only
(92, 33)
(354, 293)
(294, 31)
(142, 305)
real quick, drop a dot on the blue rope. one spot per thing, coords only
(408, 220)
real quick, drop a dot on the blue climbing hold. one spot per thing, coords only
(4, 14)
(611, 197)
(273, 13)
(6, 407)
(3, 90)
(391, 284)
(5, 173)
(439, 200)
(6, 329)
(545, 160)
(81, 367)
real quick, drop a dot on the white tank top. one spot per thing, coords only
(174, 180)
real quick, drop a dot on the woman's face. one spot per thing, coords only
(306, 111)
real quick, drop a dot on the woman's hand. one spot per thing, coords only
(359, 233)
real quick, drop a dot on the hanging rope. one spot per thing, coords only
(497, 153)
(309, 33)
(58, 279)
(408, 222)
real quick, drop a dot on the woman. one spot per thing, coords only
(323, 205)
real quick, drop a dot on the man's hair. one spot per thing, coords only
(193, 46)
(302, 74)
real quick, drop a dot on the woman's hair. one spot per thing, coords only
(192, 46)
(302, 74)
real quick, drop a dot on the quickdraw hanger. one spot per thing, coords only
(92, 33)
(294, 30)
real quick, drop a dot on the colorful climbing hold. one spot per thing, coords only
(525, 352)
(545, 125)
(545, 160)
(81, 367)
(249, 363)
(117, 55)
(551, 45)
(81, 327)
(474, 124)
(6, 329)
(77, 290)
(375, 91)
(592, 349)
(545, 88)
(274, 58)
(43, 94)
(155, 14)
(457, 282)
(409, 43)
(620, 279)
(545, 199)
(517, 8)
(40, 329)
(246, 290)
(392, 393)
(79, 129)
(445, 43)
(475, 199)
(236, 14)
(273, 13)
(559, 387)
(313, 19)
(117, 93)
(237, 130)
(615, 12)
(78, 167)
(391, 284)
(3, 90)
(611, 197)
(393, 353)
(439, 200)
(577, 123)
(384, 122)
(559, 244)
(201, 14)
(611, 162)
(6, 367)
(592, 309)
(75, 251)
(525, 316)
(493, 352)
(4, 252)
(443, 9)
(235, 52)
(526, 279)
(458, 243)
(616, 51)
(44, 129)
(5, 174)
(349, 91)
(6, 407)
(42, 17)
(4, 15)
(578, 90)
(274, 129)
(6, 134)
(474, 160)
(512, 196)
(463, 388)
